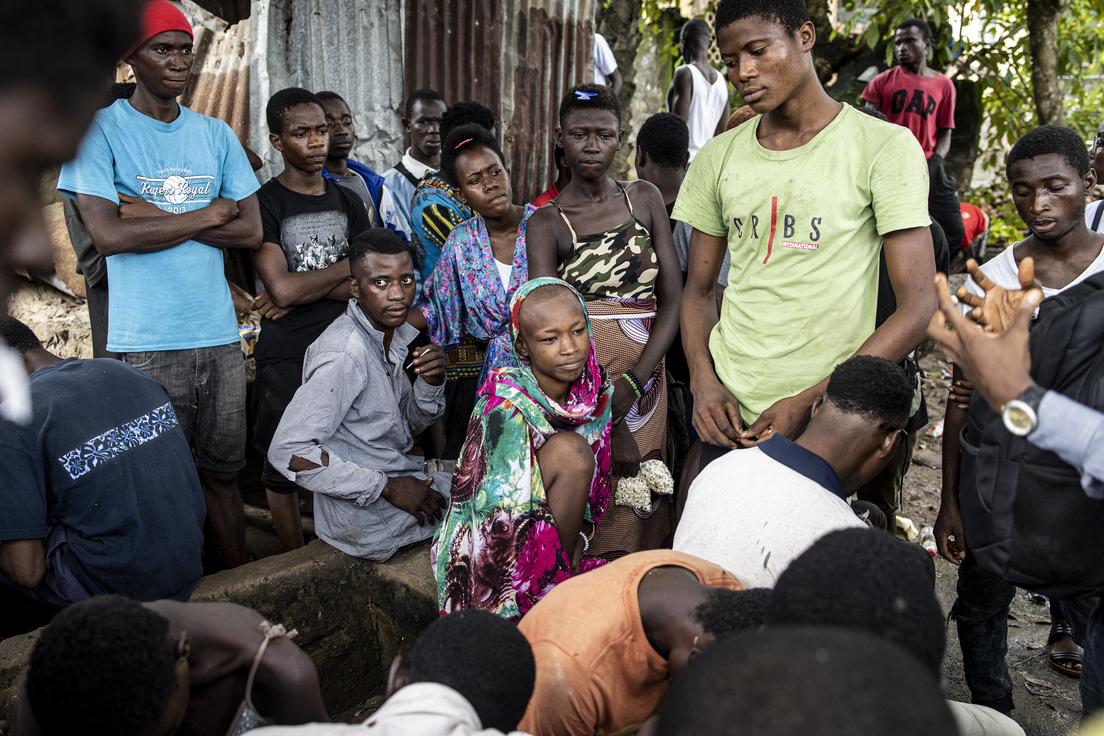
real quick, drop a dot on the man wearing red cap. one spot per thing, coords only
(162, 190)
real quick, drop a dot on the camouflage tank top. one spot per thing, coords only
(615, 264)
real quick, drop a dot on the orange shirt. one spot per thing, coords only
(595, 667)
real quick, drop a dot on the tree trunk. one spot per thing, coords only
(967, 133)
(619, 22)
(1042, 28)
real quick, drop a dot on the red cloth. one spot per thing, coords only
(975, 221)
(921, 104)
(548, 196)
(160, 16)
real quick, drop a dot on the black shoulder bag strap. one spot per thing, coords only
(399, 167)
(1096, 218)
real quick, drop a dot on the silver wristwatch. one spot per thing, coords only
(1021, 414)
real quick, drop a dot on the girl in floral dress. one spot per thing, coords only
(532, 481)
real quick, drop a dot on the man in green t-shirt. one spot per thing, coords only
(803, 200)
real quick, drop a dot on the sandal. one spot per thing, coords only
(1063, 662)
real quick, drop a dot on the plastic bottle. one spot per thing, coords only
(927, 540)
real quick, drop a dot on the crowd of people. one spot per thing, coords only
(653, 432)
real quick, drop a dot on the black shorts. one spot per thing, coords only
(273, 389)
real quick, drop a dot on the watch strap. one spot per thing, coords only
(1033, 396)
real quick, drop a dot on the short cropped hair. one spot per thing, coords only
(279, 104)
(17, 335)
(590, 97)
(330, 96)
(869, 580)
(119, 91)
(94, 34)
(876, 114)
(466, 138)
(543, 294)
(463, 113)
(1050, 139)
(484, 658)
(380, 240)
(729, 612)
(872, 387)
(425, 95)
(698, 27)
(666, 139)
(922, 25)
(790, 14)
(741, 116)
(796, 681)
(103, 667)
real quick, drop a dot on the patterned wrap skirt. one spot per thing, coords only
(621, 330)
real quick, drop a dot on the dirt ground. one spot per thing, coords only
(1047, 703)
(60, 321)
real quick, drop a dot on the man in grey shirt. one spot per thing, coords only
(346, 433)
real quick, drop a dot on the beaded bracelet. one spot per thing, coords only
(586, 542)
(637, 385)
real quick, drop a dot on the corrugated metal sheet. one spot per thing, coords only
(518, 57)
(455, 47)
(352, 47)
(219, 85)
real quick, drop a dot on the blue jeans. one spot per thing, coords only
(981, 613)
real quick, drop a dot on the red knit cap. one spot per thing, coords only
(159, 16)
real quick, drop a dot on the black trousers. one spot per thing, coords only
(943, 205)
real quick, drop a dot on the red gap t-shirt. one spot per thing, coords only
(921, 104)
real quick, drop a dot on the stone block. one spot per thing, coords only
(353, 616)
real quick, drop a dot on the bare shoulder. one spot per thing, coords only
(644, 192)
(546, 223)
(226, 618)
(544, 215)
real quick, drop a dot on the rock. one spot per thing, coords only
(353, 616)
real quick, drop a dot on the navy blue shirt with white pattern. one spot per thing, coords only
(105, 457)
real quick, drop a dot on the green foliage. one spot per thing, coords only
(1005, 225)
(660, 21)
(1001, 58)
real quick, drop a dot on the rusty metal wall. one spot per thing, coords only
(518, 57)
(455, 47)
(352, 47)
(219, 84)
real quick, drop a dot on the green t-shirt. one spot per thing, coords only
(804, 233)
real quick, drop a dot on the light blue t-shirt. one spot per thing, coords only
(177, 298)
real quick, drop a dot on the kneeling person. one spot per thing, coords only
(100, 492)
(756, 509)
(346, 432)
(114, 666)
(535, 468)
(608, 643)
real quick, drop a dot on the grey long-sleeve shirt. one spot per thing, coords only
(1075, 433)
(357, 405)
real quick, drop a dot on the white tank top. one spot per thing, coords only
(706, 106)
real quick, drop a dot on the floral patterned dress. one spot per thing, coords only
(497, 548)
(464, 296)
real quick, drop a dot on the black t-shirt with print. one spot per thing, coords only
(314, 232)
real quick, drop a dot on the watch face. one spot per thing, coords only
(1019, 419)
